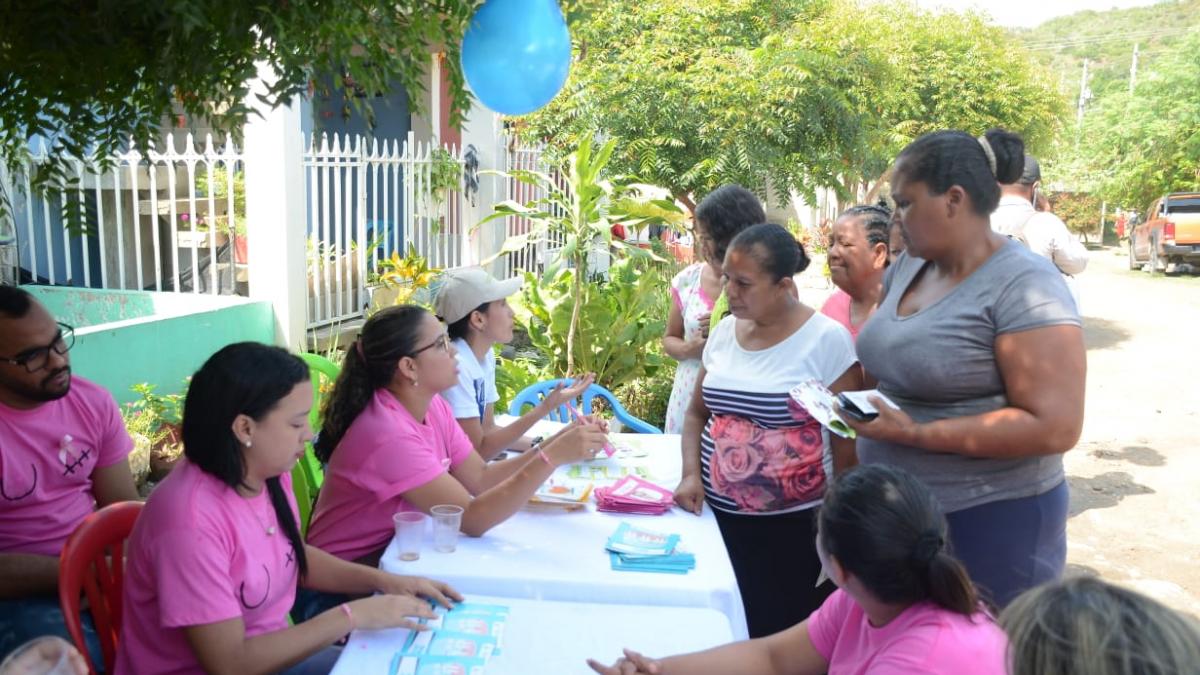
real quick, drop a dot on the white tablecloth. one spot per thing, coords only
(560, 555)
(558, 637)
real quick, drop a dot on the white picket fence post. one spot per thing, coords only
(275, 218)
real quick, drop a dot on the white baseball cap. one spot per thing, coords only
(464, 290)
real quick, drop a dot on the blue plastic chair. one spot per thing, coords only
(535, 393)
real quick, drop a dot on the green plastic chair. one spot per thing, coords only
(308, 475)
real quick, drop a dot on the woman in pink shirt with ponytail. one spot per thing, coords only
(904, 603)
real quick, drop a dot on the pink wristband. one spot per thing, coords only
(545, 458)
(349, 615)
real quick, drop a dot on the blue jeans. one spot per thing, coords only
(310, 603)
(28, 618)
(1013, 545)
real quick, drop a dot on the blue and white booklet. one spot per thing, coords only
(639, 541)
(634, 549)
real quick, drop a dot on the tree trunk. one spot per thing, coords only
(873, 193)
(686, 200)
(577, 283)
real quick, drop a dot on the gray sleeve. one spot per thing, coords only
(1035, 296)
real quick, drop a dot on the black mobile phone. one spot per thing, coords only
(853, 411)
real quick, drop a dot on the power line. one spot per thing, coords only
(1112, 36)
(1099, 39)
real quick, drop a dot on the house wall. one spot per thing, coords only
(123, 338)
(333, 113)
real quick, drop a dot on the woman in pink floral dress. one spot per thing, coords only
(761, 469)
(720, 216)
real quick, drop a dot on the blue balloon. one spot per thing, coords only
(516, 54)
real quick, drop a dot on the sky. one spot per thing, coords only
(1029, 13)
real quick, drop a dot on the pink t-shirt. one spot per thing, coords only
(200, 554)
(837, 307)
(924, 639)
(47, 456)
(384, 454)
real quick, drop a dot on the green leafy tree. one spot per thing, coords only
(924, 71)
(1079, 210)
(88, 77)
(1138, 147)
(696, 93)
(787, 96)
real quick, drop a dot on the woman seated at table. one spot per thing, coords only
(392, 443)
(858, 257)
(216, 554)
(762, 470)
(903, 604)
(475, 309)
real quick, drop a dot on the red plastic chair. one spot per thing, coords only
(93, 562)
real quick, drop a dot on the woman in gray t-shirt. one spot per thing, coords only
(979, 342)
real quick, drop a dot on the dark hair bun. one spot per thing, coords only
(1009, 150)
(802, 259)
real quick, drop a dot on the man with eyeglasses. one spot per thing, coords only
(63, 453)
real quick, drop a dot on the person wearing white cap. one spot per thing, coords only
(475, 308)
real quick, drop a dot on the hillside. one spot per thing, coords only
(1106, 39)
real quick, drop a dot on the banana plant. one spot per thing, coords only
(576, 206)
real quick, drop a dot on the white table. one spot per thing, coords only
(558, 637)
(554, 555)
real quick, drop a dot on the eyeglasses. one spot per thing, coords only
(443, 342)
(38, 358)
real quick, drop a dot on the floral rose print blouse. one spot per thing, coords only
(756, 458)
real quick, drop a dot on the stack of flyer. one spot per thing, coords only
(634, 549)
(563, 494)
(634, 495)
(460, 641)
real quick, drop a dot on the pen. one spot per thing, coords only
(608, 449)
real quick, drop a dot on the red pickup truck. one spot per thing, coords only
(1170, 235)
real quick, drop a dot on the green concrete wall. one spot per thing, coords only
(127, 337)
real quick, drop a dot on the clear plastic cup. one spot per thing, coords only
(410, 531)
(447, 520)
(44, 656)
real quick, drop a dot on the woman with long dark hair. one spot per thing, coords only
(904, 604)
(979, 342)
(392, 442)
(216, 554)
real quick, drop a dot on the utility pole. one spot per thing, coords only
(1133, 69)
(1084, 95)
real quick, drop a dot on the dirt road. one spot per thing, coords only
(1135, 475)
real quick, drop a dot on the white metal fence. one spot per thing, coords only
(174, 220)
(370, 200)
(164, 221)
(532, 258)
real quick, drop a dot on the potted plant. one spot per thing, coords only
(215, 183)
(153, 420)
(445, 176)
(403, 280)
